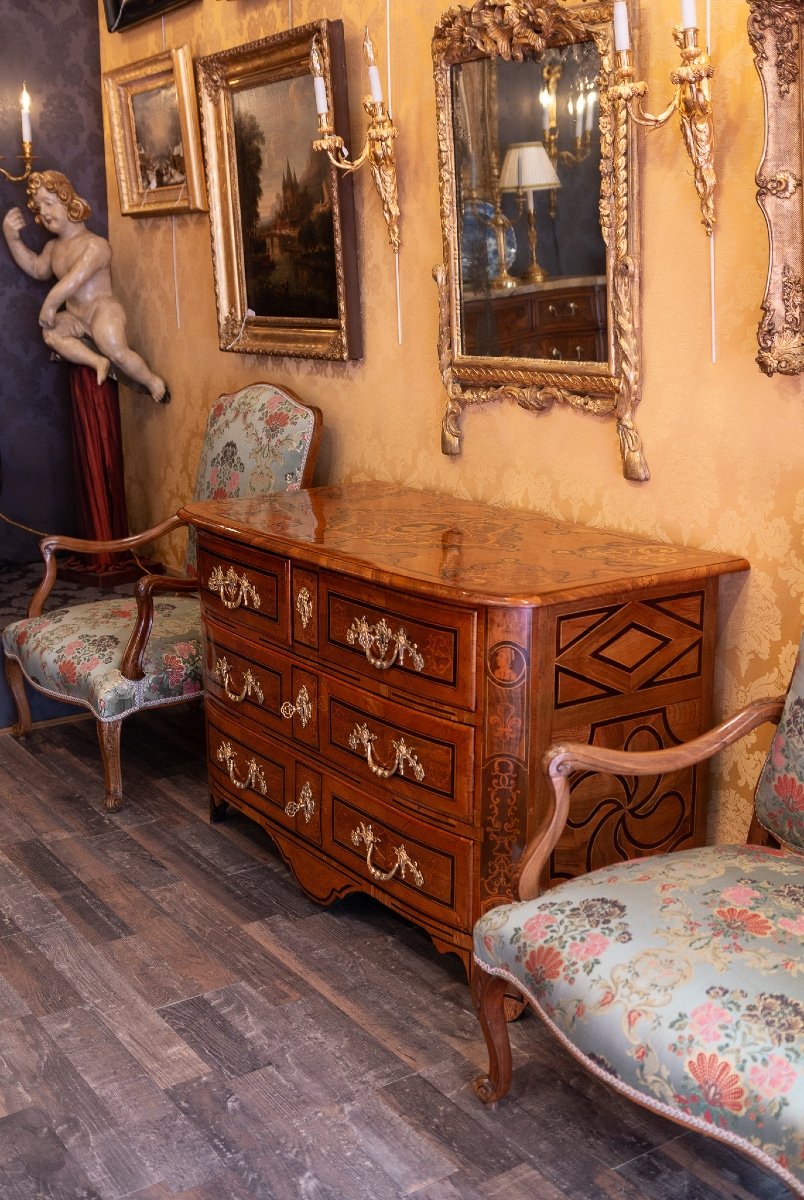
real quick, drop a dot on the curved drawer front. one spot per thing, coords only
(260, 776)
(424, 759)
(425, 868)
(244, 589)
(400, 641)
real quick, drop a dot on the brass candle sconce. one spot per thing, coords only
(692, 99)
(27, 144)
(378, 149)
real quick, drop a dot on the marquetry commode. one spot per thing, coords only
(384, 669)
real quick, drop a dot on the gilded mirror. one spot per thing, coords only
(539, 289)
(776, 32)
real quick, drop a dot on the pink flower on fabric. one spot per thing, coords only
(591, 947)
(190, 687)
(739, 894)
(707, 1019)
(775, 1079)
(742, 920)
(184, 649)
(544, 963)
(719, 1083)
(777, 751)
(536, 926)
(791, 925)
(791, 792)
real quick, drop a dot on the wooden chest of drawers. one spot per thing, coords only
(384, 669)
(561, 320)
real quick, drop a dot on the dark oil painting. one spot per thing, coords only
(286, 211)
(160, 153)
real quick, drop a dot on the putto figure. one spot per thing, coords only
(81, 303)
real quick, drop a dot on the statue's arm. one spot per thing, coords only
(38, 266)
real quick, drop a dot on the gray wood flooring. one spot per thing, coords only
(178, 1022)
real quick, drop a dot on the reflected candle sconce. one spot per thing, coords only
(527, 169)
(27, 144)
(692, 99)
(378, 149)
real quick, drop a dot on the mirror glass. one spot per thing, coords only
(527, 176)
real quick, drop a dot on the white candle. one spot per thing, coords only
(590, 111)
(373, 69)
(519, 170)
(689, 16)
(622, 34)
(544, 100)
(318, 80)
(25, 113)
(579, 111)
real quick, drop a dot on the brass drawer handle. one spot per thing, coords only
(556, 353)
(305, 804)
(379, 637)
(304, 607)
(572, 308)
(364, 833)
(233, 589)
(360, 736)
(552, 310)
(303, 708)
(250, 684)
(254, 776)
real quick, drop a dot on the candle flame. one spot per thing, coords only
(315, 59)
(25, 99)
(368, 49)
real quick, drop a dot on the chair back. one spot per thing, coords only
(258, 440)
(779, 801)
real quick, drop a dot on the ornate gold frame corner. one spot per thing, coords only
(611, 389)
(173, 67)
(775, 31)
(240, 329)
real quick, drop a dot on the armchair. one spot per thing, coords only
(117, 656)
(678, 979)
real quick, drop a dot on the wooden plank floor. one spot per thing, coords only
(178, 1022)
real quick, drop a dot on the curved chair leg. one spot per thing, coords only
(16, 683)
(488, 994)
(109, 740)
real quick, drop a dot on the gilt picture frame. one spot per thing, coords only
(155, 135)
(281, 215)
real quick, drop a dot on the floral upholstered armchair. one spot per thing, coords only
(116, 656)
(677, 979)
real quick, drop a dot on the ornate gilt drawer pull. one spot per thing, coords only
(250, 684)
(305, 804)
(376, 640)
(254, 776)
(233, 589)
(304, 607)
(303, 708)
(360, 736)
(364, 833)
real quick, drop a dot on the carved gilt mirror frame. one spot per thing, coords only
(517, 31)
(775, 29)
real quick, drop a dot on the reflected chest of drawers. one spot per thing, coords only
(384, 669)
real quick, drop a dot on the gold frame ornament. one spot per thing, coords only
(256, 67)
(776, 33)
(122, 87)
(515, 31)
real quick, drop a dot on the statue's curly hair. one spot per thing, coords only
(54, 181)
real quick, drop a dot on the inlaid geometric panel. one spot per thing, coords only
(625, 648)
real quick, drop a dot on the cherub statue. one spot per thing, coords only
(81, 262)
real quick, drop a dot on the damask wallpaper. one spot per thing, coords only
(53, 48)
(725, 444)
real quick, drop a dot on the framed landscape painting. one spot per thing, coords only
(155, 137)
(281, 215)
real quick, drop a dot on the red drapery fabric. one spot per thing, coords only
(100, 496)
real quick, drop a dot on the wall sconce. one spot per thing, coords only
(27, 147)
(378, 150)
(692, 99)
(527, 169)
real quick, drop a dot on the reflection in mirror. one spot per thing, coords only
(527, 157)
(540, 284)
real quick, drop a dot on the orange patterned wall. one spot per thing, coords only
(725, 444)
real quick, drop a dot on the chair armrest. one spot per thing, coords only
(131, 664)
(54, 542)
(560, 761)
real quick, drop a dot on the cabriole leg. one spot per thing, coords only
(109, 740)
(488, 994)
(16, 682)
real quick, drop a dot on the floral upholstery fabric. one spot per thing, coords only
(678, 979)
(779, 800)
(75, 653)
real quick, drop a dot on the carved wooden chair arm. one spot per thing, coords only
(49, 545)
(131, 664)
(560, 761)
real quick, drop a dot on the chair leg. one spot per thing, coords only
(488, 994)
(16, 683)
(109, 740)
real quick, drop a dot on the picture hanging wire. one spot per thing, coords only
(713, 319)
(390, 114)
(173, 226)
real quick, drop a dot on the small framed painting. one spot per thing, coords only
(281, 215)
(122, 14)
(155, 137)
